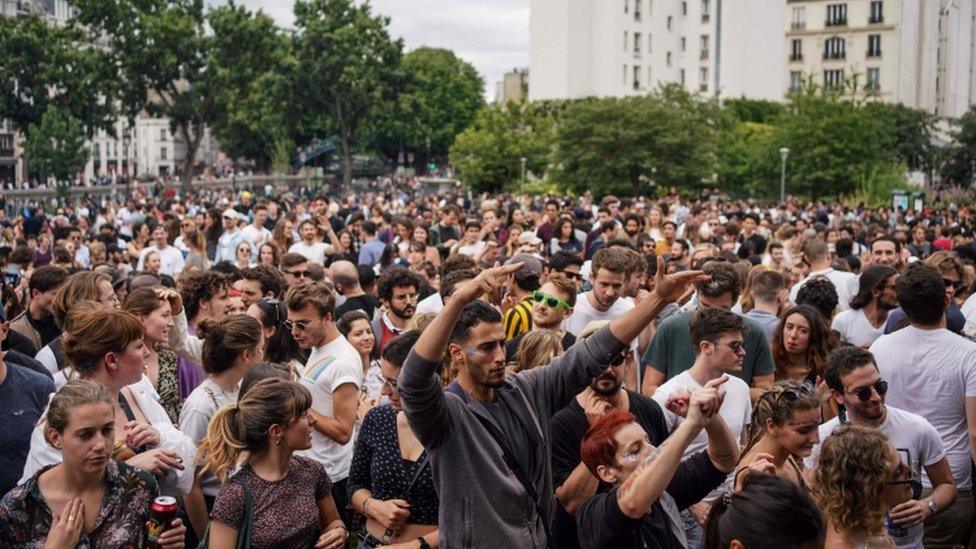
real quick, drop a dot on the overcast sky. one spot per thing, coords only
(493, 35)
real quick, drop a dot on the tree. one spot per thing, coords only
(249, 68)
(911, 130)
(618, 145)
(161, 48)
(440, 97)
(45, 67)
(488, 153)
(754, 110)
(960, 163)
(347, 70)
(56, 145)
(748, 159)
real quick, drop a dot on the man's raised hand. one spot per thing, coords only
(487, 282)
(671, 287)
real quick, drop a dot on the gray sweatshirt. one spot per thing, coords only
(482, 503)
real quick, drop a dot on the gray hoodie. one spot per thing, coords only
(482, 503)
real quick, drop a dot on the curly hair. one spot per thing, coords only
(850, 479)
(820, 344)
(396, 278)
(821, 293)
(197, 287)
(771, 405)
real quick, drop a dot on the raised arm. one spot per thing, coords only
(667, 289)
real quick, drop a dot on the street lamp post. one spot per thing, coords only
(524, 160)
(126, 140)
(783, 154)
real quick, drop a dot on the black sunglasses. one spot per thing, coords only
(571, 275)
(280, 315)
(954, 284)
(906, 475)
(300, 274)
(864, 393)
(792, 394)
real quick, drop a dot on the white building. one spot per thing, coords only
(581, 48)
(921, 53)
(514, 86)
(916, 52)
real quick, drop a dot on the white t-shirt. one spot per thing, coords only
(256, 236)
(845, 283)
(855, 328)
(931, 373)
(195, 416)
(906, 431)
(472, 250)
(736, 409)
(328, 367)
(584, 313)
(170, 260)
(430, 304)
(315, 253)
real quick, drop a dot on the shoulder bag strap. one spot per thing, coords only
(520, 473)
(247, 520)
(421, 465)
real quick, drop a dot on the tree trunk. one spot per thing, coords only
(192, 145)
(346, 160)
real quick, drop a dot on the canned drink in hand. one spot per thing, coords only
(162, 513)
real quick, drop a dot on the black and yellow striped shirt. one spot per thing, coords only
(518, 319)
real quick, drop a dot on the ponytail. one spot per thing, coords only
(220, 450)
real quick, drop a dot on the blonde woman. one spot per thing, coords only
(537, 348)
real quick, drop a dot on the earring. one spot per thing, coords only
(278, 442)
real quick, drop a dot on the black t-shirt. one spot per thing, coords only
(46, 328)
(366, 303)
(602, 524)
(506, 407)
(512, 346)
(568, 428)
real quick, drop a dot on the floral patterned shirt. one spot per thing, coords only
(25, 518)
(168, 383)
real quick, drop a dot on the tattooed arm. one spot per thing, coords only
(723, 450)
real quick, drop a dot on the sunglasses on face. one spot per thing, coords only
(300, 324)
(300, 274)
(864, 393)
(571, 275)
(391, 385)
(736, 345)
(954, 284)
(550, 301)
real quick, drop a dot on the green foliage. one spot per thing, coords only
(754, 110)
(56, 145)
(875, 187)
(623, 145)
(488, 153)
(347, 70)
(440, 95)
(748, 160)
(45, 67)
(960, 162)
(911, 130)
(249, 67)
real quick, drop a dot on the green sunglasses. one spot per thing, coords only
(552, 302)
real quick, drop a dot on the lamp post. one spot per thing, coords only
(524, 160)
(783, 154)
(126, 140)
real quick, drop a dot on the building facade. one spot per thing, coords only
(581, 48)
(921, 53)
(514, 86)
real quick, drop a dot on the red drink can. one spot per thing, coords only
(162, 512)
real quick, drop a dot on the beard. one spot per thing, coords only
(406, 312)
(606, 385)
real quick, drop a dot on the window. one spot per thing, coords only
(637, 43)
(163, 134)
(834, 48)
(637, 10)
(668, 58)
(684, 8)
(703, 47)
(836, 15)
(704, 9)
(703, 79)
(874, 45)
(684, 44)
(681, 74)
(637, 83)
(796, 81)
(874, 80)
(96, 150)
(833, 79)
(162, 153)
(670, 18)
(626, 39)
(796, 54)
(649, 43)
(799, 18)
(650, 79)
(625, 74)
(877, 12)
(626, 6)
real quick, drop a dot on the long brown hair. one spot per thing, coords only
(80, 286)
(849, 481)
(821, 342)
(95, 333)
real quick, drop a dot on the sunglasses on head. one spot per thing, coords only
(552, 302)
(792, 394)
(906, 475)
(864, 393)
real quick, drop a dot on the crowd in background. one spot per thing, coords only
(396, 368)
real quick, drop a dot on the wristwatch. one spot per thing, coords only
(932, 506)
(425, 545)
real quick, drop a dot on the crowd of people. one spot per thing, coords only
(398, 369)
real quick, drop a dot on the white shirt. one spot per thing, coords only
(170, 260)
(845, 283)
(314, 253)
(227, 246)
(175, 483)
(472, 250)
(430, 304)
(855, 328)
(931, 373)
(256, 236)
(736, 409)
(199, 407)
(906, 431)
(584, 313)
(329, 367)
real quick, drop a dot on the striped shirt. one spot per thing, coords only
(518, 319)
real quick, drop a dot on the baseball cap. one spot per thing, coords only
(529, 238)
(231, 213)
(531, 265)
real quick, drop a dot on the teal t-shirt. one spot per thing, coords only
(671, 351)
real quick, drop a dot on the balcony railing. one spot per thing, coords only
(872, 54)
(795, 25)
(703, 87)
(703, 55)
(836, 22)
(796, 57)
(875, 20)
(706, 18)
(835, 55)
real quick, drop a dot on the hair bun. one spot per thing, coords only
(209, 328)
